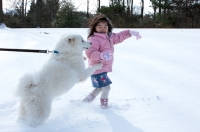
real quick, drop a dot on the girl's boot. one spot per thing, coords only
(92, 95)
(89, 98)
(104, 103)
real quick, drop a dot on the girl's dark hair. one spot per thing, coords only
(95, 20)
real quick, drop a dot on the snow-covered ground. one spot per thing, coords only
(156, 83)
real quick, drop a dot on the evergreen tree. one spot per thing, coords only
(31, 15)
(68, 17)
(1, 12)
(49, 10)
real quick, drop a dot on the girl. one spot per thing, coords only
(101, 51)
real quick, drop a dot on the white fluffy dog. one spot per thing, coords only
(58, 75)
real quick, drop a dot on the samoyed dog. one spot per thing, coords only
(61, 72)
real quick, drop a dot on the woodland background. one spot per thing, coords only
(122, 13)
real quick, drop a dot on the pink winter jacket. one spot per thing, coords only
(101, 43)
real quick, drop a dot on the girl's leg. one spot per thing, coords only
(104, 97)
(96, 91)
(105, 92)
(89, 98)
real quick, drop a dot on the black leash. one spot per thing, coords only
(30, 50)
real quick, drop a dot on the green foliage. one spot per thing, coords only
(67, 16)
(13, 19)
(176, 13)
(113, 10)
(49, 10)
(167, 14)
(120, 16)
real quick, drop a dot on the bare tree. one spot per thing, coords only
(142, 9)
(22, 14)
(1, 12)
(123, 4)
(159, 7)
(155, 6)
(112, 2)
(99, 1)
(87, 8)
(25, 7)
(21, 6)
(131, 7)
(128, 8)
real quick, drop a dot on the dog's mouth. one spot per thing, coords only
(85, 48)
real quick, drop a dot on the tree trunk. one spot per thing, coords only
(123, 6)
(112, 3)
(154, 13)
(131, 8)
(25, 8)
(87, 8)
(22, 14)
(142, 9)
(99, 5)
(128, 9)
(39, 14)
(159, 7)
(165, 7)
(1, 11)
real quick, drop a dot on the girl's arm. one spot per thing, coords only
(93, 52)
(121, 36)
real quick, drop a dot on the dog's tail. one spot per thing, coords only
(27, 84)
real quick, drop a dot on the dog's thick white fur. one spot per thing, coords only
(61, 72)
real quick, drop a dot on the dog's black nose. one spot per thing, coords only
(90, 43)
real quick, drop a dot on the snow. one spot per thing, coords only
(155, 86)
(2, 26)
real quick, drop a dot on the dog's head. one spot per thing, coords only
(72, 43)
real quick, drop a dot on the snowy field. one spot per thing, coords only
(156, 83)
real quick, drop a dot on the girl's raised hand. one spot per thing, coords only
(135, 33)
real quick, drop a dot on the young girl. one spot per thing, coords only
(101, 51)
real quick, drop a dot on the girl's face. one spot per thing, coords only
(102, 27)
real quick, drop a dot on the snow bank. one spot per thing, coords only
(3, 26)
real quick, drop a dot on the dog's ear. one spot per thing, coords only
(71, 40)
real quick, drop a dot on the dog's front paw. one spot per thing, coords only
(98, 66)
